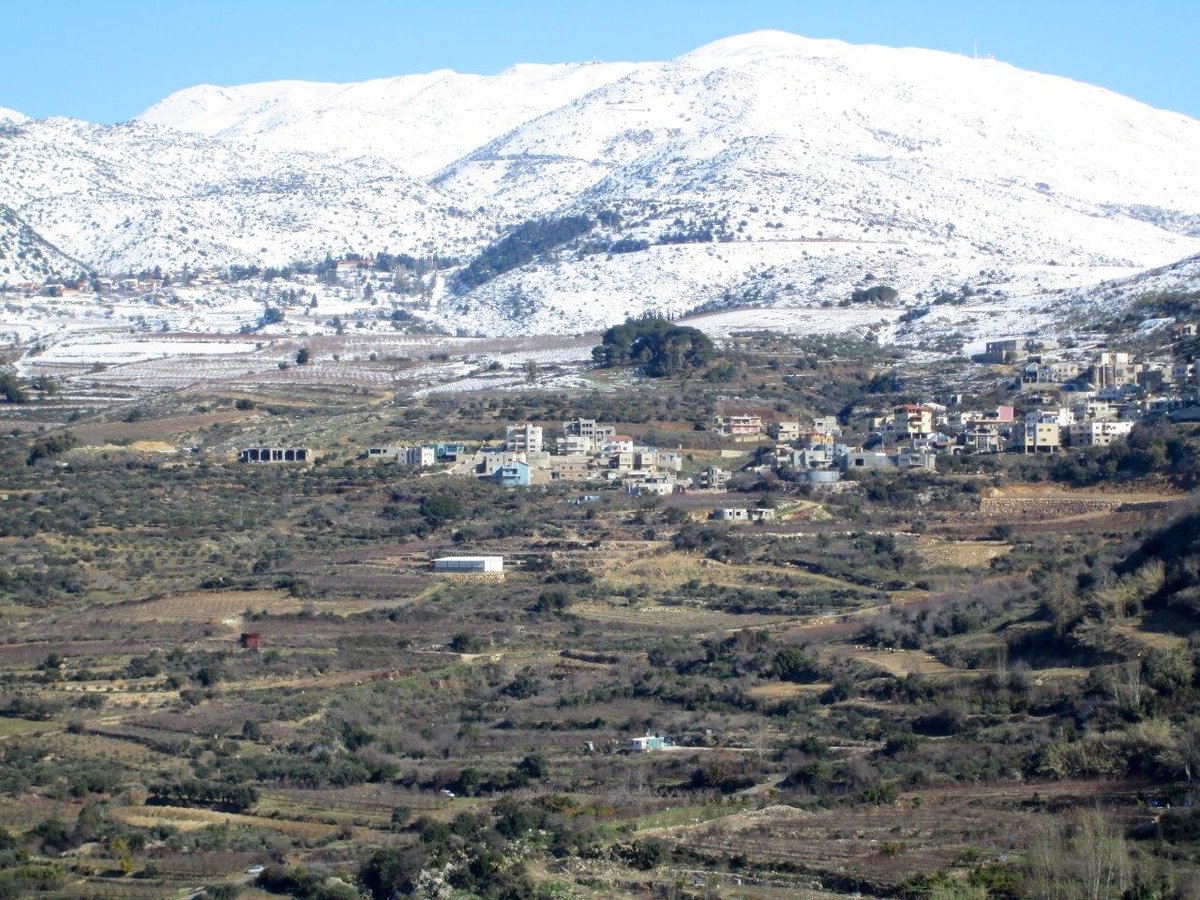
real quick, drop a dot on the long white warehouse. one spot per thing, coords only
(469, 564)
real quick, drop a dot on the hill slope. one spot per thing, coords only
(26, 256)
(134, 196)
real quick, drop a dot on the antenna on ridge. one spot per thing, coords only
(975, 45)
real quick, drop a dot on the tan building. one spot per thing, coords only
(786, 432)
(1042, 432)
(912, 421)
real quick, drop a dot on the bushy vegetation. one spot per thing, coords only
(887, 689)
(658, 347)
(1149, 450)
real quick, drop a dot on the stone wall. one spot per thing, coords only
(1009, 507)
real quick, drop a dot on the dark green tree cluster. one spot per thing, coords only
(192, 792)
(521, 245)
(49, 447)
(1150, 450)
(658, 347)
(11, 389)
(880, 293)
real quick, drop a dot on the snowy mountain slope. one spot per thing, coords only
(962, 164)
(133, 196)
(420, 122)
(762, 170)
(25, 256)
(12, 117)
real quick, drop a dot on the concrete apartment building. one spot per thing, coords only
(523, 438)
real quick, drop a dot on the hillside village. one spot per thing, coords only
(860, 558)
(1065, 405)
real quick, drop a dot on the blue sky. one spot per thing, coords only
(106, 60)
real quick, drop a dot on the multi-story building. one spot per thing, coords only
(1005, 351)
(587, 435)
(740, 425)
(1112, 369)
(827, 425)
(1098, 434)
(713, 479)
(1043, 431)
(912, 421)
(523, 438)
(785, 432)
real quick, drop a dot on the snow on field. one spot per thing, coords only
(792, 321)
(102, 349)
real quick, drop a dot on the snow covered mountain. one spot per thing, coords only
(764, 169)
(420, 122)
(25, 256)
(917, 167)
(134, 196)
(12, 117)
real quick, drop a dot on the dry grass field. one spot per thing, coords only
(960, 554)
(191, 819)
(679, 619)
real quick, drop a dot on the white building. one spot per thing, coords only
(1098, 434)
(469, 564)
(421, 457)
(523, 438)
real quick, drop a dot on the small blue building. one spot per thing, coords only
(514, 474)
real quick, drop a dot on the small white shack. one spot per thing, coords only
(648, 743)
(470, 565)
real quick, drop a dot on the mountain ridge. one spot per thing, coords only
(760, 168)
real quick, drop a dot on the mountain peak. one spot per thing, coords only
(12, 117)
(767, 42)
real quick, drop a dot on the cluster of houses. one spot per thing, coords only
(1108, 375)
(587, 451)
(1093, 404)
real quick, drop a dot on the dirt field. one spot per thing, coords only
(187, 819)
(671, 570)
(158, 429)
(960, 554)
(681, 619)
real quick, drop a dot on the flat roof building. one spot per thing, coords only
(469, 564)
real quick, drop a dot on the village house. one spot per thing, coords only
(827, 425)
(1183, 330)
(1112, 369)
(739, 426)
(912, 421)
(573, 467)
(865, 460)
(421, 457)
(651, 485)
(785, 432)
(1043, 430)
(585, 436)
(1098, 433)
(713, 479)
(523, 438)
(1002, 352)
